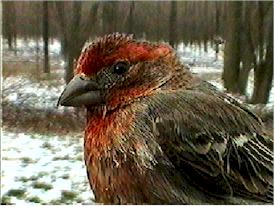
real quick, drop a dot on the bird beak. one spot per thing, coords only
(80, 92)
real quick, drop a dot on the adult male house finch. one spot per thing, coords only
(157, 134)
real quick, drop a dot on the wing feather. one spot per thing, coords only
(214, 141)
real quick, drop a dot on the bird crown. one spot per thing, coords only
(104, 51)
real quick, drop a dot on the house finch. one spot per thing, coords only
(157, 134)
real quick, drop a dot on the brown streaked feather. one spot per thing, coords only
(165, 136)
(243, 160)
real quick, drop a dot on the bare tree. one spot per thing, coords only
(9, 22)
(247, 51)
(193, 22)
(232, 48)
(158, 20)
(217, 27)
(74, 32)
(173, 23)
(109, 16)
(46, 36)
(37, 31)
(263, 72)
(131, 21)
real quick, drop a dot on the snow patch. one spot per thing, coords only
(30, 158)
(21, 90)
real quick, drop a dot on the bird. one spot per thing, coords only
(158, 134)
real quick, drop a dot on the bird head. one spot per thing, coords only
(116, 70)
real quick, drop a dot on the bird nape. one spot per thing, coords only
(157, 134)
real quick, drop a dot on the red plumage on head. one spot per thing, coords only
(105, 51)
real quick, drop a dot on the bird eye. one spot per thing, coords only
(121, 67)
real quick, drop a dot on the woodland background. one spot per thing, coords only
(229, 44)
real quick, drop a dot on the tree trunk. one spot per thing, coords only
(205, 46)
(131, 18)
(74, 41)
(232, 48)
(243, 77)
(173, 23)
(109, 17)
(263, 75)
(263, 82)
(217, 26)
(247, 64)
(158, 26)
(69, 67)
(60, 8)
(9, 22)
(247, 50)
(46, 37)
(73, 33)
(37, 53)
(260, 23)
(205, 26)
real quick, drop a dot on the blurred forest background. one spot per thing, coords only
(229, 44)
(245, 27)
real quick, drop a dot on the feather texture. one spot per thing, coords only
(163, 136)
(181, 149)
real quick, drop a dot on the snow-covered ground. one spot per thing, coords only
(21, 90)
(40, 168)
(49, 169)
(43, 169)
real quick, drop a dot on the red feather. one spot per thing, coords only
(93, 59)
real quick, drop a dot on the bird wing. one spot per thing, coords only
(215, 142)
